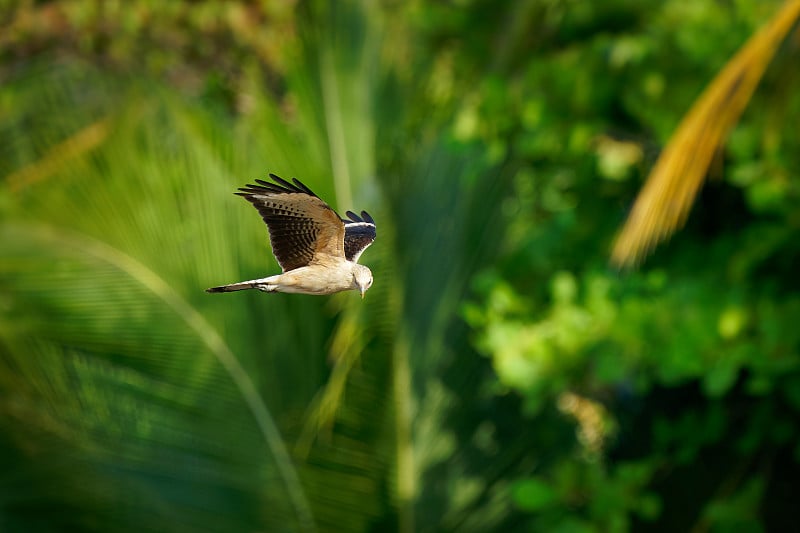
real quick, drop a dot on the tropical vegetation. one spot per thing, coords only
(501, 374)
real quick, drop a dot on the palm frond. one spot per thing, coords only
(104, 260)
(664, 202)
(91, 255)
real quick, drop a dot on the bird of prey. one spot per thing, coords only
(316, 248)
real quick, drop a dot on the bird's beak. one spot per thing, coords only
(363, 291)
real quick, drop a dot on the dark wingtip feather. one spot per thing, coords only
(263, 186)
(364, 218)
(282, 182)
(302, 187)
(274, 187)
(251, 189)
(279, 186)
(282, 185)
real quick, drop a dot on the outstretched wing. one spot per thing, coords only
(302, 228)
(359, 232)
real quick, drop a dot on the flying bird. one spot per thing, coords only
(317, 250)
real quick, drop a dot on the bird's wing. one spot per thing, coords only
(359, 232)
(302, 228)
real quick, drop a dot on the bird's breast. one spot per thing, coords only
(319, 279)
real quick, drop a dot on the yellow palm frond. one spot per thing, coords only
(663, 203)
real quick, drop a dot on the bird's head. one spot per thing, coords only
(362, 278)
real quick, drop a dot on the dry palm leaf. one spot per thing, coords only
(663, 203)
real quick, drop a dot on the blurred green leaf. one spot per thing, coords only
(534, 494)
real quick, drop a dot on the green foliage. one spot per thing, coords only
(687, 361)
(203, 47)
(498, 376)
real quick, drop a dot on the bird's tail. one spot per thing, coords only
(263, 284)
